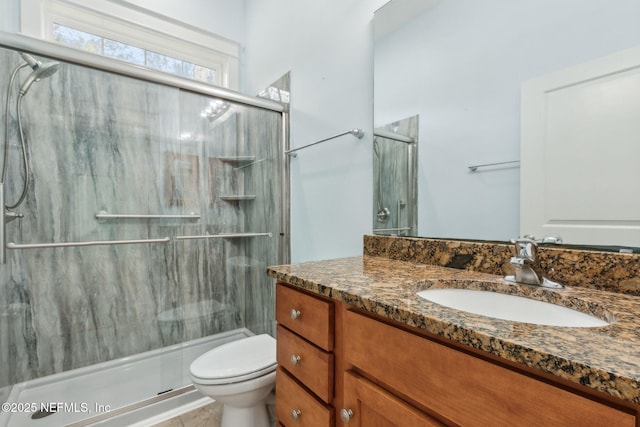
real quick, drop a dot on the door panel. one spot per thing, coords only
(580, 150)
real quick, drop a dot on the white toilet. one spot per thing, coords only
(240, 375)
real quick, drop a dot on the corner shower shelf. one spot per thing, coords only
(238, 197)
(237, 159)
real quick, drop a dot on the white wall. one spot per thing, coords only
(10, 15)
(459, 66)
(328, 46)
(221, 17)
(469, 59)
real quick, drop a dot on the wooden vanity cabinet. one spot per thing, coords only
(360, 369)
(305, 344)
(462, 388)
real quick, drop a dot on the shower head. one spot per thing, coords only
(30, 60)
(40, 71)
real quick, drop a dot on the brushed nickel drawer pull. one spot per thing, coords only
(295, 359)
(295, 314)
(346, 415)
(295, 414)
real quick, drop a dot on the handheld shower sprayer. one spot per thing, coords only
(40, 71)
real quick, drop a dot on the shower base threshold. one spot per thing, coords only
(119, 392)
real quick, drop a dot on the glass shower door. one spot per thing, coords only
(155, 212)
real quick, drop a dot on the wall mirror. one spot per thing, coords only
(460, 65)
(395, 170)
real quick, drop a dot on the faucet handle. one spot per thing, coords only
(556, 239)
(526, 248)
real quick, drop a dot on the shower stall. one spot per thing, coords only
(152, 208)
(395, 178)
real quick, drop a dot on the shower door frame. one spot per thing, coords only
(59, 52)
(78, 57)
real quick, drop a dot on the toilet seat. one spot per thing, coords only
(233, 380)
(237, 361)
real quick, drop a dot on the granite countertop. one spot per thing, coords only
(606, 359)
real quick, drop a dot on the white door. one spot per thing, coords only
(580, 152)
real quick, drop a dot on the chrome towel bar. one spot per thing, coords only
(394, 136)
(106, 215)
(475, 167)
(223, 236)
(12, 245)
(358, 133)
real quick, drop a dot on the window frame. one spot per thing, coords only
(140, 28)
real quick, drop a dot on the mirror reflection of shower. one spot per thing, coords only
(39, 71)
(395, 170)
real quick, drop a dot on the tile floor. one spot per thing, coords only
(207, 416)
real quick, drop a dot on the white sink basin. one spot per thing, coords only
(511, 307)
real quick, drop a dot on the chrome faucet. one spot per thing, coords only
(527, 265)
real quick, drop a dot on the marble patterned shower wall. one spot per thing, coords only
(394, 185)
(104, 142)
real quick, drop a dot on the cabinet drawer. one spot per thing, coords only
(465, 389)
(371, 405)
(292, 397)
(306, 315)
(313, 366)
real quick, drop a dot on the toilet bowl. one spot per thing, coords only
(240, 375)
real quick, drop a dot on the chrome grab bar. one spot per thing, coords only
(106, 215)
(12, 245)
(380, 230)
(223, 236)
(400, 204)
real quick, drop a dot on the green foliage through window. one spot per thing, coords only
(125, 52)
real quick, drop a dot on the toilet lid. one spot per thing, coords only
(236, 361)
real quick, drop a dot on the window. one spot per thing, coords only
(135, 35)
(125, 52)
